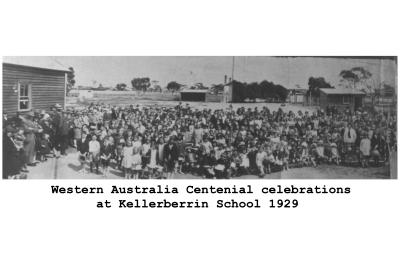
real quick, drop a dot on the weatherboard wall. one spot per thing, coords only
(47, 87)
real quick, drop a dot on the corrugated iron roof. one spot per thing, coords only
(194, 91)
(341, 91)
(43, 62)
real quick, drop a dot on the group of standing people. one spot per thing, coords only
(32, 137)
(158, 142)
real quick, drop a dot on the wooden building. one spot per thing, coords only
(383, 100)
(296, 96)
(341, 98)
(200, 96)
(29, 88)
(193, 95)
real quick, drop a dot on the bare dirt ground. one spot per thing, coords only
(158, 99)
(68, 167)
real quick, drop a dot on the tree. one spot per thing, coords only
(252, 91)
(281, 92)
(198, 86)
(217, 88)
(157, 88)
(141, 83)
(314, 85)
(358, 78)
(121, 86)
(238, 91)
(269, 90)
(173, 86)
(70, 79)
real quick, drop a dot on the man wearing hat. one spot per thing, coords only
(63, 132)
(30, 138)
(171, 156)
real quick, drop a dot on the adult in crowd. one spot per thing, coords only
(152, 141)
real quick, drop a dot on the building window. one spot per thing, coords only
(346, 100)
(24, 96)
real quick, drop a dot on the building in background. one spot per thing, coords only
(341, 98)
(200, 96)
(193, 95)
(383, 99)
(29, 87)
(297, 96)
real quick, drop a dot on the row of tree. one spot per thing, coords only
(262, 90)
(354, 78)
(144, 84)
(241, 91)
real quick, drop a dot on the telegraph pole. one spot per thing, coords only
(233, 67)
(232, 76)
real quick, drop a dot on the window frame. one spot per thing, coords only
(349, 99)
(29, 96)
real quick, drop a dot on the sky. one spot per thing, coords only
(287, 71)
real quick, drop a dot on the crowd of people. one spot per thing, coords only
(158, 142)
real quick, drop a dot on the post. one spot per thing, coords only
(233, 72)
(233, 67)
(65, 89)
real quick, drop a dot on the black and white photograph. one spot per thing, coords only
(200, 117)
(199, 132)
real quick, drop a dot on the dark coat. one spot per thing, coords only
(171, 153)
(83, 147)
(64, 127)
(11, 160)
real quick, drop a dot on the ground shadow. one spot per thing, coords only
(116, 173)
(74, 167)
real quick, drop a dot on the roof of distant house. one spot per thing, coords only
(299, 90)
(194, 91)
(341, 91)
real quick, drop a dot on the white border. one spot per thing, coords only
(38, 228)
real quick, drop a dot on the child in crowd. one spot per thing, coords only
(153, 164)
(106, 152)
(94, 153)
(334, 154)
(119, 153)
(45, 147)
(127, 154)
(260, 157)
(136, 163)
(220, 143)
(365, 149)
